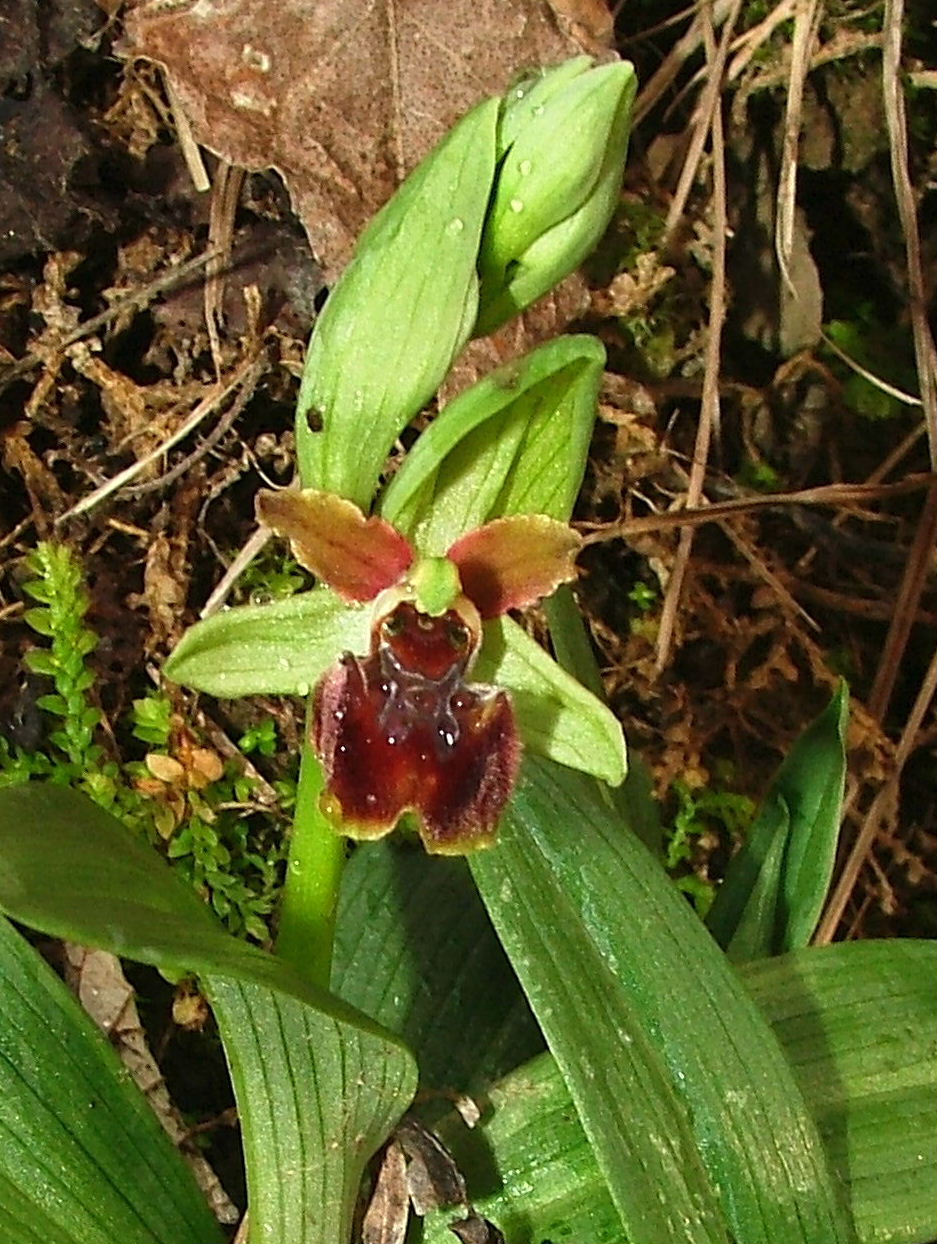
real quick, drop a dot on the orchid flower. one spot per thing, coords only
(401, 729)
(406, 635)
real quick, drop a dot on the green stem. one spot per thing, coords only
(313, 877)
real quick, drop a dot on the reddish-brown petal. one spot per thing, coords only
(512, 562)
(393, 740)
(356, 556)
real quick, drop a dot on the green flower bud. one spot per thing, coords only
(564, 139)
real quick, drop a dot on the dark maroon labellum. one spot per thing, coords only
(402, 731)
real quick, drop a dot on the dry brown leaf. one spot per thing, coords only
(385, 1220)
(98, 980)
(165, 768)
(342, 97)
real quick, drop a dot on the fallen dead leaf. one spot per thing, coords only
(342, 98)
(98, 980)
(385, 1220)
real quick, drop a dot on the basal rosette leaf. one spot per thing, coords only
(605, 947)
(82, 1155)
(319, 1084)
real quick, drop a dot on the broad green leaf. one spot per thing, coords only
(515, 442)
(281, 648)
(317, 1096)
(529, 1166)
(855, 1021)
(401, 312)
(776, 886)
(668, 1061)
(415, 950)
(616, 1070)
(82, 1155)
(558, 717)
(71, 870)
(22, 1221)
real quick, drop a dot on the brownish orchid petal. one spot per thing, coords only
(514, 561)
(356, 556)
(401, 731)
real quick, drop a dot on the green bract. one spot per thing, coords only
(514, 443)
(401, 312)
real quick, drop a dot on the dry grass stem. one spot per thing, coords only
(806, 22)
(709, 406)
(825, 494)
(205, 407)
(885, 799)
(896, 120)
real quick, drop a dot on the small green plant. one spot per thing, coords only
(63, 602)
(644, 596)
(181, 797)
(885, 350)
(271, 576)
(759, 475)
(702, 812)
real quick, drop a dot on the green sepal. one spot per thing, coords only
(776, 886)
(281, 648)
(398, 316)
(556, 715)
(465, 470)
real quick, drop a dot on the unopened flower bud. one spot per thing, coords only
(565, 137)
